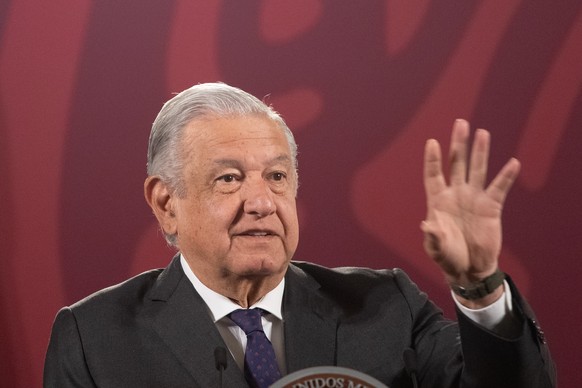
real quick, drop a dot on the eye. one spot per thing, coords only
(278, 176)
(228, 178)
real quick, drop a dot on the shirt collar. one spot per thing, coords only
(220, 306)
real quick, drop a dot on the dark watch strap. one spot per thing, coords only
(480, 289)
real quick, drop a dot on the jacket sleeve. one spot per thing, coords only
(65, 364)
(521, 361)
(464, 354)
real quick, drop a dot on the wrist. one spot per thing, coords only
(479, 289)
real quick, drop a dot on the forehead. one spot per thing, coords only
(213, 135)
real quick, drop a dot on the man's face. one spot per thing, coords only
(238, 216)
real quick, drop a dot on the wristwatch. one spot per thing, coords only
(482, 288)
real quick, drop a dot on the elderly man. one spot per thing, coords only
(222, 183)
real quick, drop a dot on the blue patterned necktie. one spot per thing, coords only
(261, 369)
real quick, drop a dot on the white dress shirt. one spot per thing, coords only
(234, 337)
(497, 317)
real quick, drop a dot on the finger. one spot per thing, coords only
(502, 183)
(479, 159)
(434, 180)
(458, 152)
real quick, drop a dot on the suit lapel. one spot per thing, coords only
(310, 322)
(180, 317)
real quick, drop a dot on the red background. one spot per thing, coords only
(361, 83)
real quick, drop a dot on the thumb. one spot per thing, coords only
(432, 239)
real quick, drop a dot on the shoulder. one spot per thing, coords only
(355, 283)
(132, 288)
(130, 295)
(349, 276)
(123, 299)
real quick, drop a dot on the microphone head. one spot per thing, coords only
(220, 358)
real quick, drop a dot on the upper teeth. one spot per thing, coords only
(258, 233)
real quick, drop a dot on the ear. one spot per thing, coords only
(161, 198)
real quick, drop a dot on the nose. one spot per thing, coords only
(258, 199)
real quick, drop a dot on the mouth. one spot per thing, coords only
(257, 233)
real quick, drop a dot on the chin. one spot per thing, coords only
(263, 267)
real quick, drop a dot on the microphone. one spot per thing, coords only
(220, 362)
(409, 357)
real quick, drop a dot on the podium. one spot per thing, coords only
(328, 377)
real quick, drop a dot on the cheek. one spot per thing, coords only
(205, 229)
(288, 215)
(219, 215)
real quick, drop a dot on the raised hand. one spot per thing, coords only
(463, 223)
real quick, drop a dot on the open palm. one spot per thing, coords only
(463, 224)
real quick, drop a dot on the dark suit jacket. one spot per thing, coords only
(154, 331)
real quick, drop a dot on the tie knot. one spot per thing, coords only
(249, 320)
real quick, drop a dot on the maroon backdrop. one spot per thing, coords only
(363, 84)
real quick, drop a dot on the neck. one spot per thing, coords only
(244, 290)
(247, 291)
